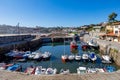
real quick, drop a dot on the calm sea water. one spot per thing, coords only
(57, 49)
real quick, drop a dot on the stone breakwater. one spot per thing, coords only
(6, 75)
(8, 38)
(21, 42)
(107, 47)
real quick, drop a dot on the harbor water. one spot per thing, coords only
(58, 49)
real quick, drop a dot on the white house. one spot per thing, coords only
(116, 29)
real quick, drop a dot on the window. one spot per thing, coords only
(116, 26)
(116, 32)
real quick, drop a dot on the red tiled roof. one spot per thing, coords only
(116, 23)
(109, 34)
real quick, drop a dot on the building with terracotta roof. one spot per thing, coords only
(112, 31)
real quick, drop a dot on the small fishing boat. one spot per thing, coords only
(92, 56)
(2, 66)
(77, 57)
(84, 45)
(40, 70)
(71, 57)
(93, 43)
(19, 55)
(12, 53)
(21, 60)
(85, 57)
(15, 67)
(81, 70)
(51, 71)
(106, 62)
(73, 45)
(110, 69)
(91, 70)
(64, 57)
(31, 56)
(100, 70)
(106, 59)
(26, 54)
(64, 71)
(37, 56)
(30, 70)
(46, 55)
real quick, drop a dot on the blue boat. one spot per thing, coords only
(26, 54)
(14, 67)
(110, 69)
(92, 56)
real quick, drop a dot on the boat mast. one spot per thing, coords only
(18, 29)
(64, 45)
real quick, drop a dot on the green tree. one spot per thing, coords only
(90, 28)
(102, 29)
(112, 16)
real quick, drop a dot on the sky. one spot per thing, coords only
(52, 13)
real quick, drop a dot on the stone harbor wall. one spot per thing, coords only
(8, 38)
(20, 42)
(22, 45)
(7, 75)
(107, 47)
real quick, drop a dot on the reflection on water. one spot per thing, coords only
(55, 61)
(74, 51)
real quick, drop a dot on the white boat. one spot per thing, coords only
(40, 71)
(12, 53)
(91, 70)
(21, 60)
(92, 56)
(100, 70)
(51, 71)
(93, 43)
(37, 56)
(107, 62)
(77, 57)
(73, 45)
(81, 70)
(30, 70)
(71, 57)
(46, 55)
(31, 56)
(84, 45)
(64, 57)
(106, 57)
(26, 54)
(85, 56)
(64, 71)
(2, 66)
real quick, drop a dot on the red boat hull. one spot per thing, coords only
(84, 47)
